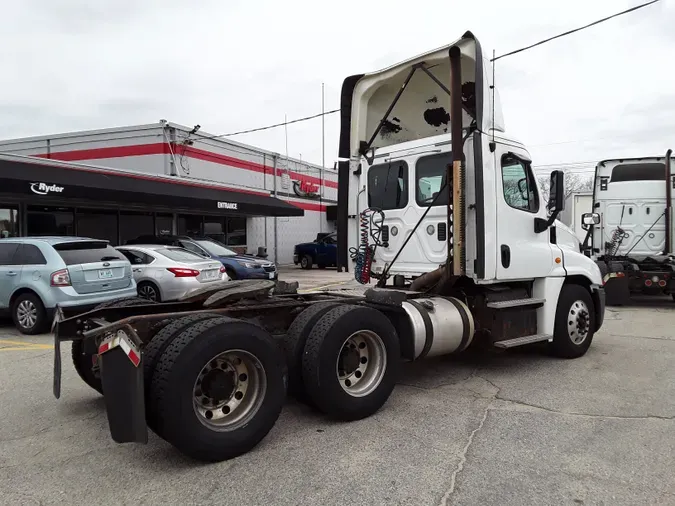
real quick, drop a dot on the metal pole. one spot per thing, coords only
(274, 168)
(323, 155)
(669, 205)
(264, 188)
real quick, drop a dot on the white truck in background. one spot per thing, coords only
(630, 229)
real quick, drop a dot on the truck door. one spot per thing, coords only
(327, 250)
(404, 189)
(521, 252)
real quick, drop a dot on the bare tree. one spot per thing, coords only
(574, 183)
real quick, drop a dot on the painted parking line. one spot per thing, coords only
(23, 345)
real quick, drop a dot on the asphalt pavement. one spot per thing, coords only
(517, 428)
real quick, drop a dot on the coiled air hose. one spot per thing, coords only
(369, 228)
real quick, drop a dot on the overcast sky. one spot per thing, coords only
(230, 65)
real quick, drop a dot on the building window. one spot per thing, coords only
(9, 222)
(236, 231)
(228, 230)
(42, 220)
(190, 225)
(164, 224)
(97, 224)
(133, 225)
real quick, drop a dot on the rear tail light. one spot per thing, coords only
(648, 282)
(662, 283)
(180, 272)
(60, 278)
(222, 270)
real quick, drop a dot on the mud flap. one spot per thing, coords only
(617, 290)
(123, 390)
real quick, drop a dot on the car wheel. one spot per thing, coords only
(149, 291)
(230, 273)
(29, 314)
(306, 262)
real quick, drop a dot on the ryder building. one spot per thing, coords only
(163, 178)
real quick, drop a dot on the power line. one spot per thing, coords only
(574, 30)
(269, 126)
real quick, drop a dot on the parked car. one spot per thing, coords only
(166, 273)
(237, 266)
(322, 252)
(37, 273)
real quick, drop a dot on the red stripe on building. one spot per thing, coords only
(111, 152)
(161, 148)
(307, 206)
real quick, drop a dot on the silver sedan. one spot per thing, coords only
(166, 273)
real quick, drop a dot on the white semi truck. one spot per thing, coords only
(630, 229)
(436, 202)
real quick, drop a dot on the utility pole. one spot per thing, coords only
(323, 155)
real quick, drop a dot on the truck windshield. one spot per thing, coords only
(388, 185)
(639, 172)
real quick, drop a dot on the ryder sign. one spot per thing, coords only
(45, 189)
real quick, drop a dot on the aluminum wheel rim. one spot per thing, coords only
(361, 363)
(578, 322)
(26, 313)
(148, 292)
(223, 408)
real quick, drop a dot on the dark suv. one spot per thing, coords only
(237, 266)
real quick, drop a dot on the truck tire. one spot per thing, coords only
(83, 361)
(306, 262)
(219, 388)
(154, 350)
(294, 345)
(574, 322)
(351, 361)
(124, 302)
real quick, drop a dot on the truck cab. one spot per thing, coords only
(630, 228)
(433, 189)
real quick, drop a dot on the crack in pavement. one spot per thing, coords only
(494, 405)
(536, 407)
(463, 454)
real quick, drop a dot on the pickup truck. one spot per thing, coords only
(322, 252)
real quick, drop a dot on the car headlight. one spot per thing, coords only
(248, 265)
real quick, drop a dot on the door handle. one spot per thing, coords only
(137, 270)
(12, 273)
(506, 256)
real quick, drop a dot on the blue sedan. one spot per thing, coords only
(237, 266)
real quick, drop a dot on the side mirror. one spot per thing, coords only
(589, 219)
(556, 199)
(556, 202)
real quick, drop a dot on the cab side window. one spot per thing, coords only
(520, 189)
